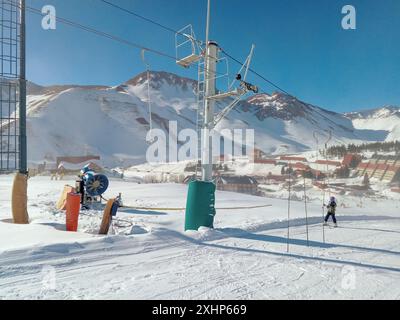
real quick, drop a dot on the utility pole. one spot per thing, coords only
(210, 66)
(200, 207)
(211, 56)
(23, 165)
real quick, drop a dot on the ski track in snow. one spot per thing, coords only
(243, 258)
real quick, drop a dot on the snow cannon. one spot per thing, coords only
(95, 184)
(91, 186)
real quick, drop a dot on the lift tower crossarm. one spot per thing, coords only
(245, 66)
(228, 109)
(239, 92)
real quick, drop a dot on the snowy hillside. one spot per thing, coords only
(284, 124)
(386, 119)
(113, 121)
(108, 121)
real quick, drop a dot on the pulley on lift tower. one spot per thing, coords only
(246, 85)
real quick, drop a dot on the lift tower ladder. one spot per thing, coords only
(201, 96)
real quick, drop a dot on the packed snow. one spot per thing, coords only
(149, 256)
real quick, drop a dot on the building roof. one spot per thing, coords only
(289, 158)
(237, 180)
(300, 166)
(265, 161)
(386, 157)
(363, 165)
(349, 158)
(76, 159)
(378, 166)
(329, 162)
(78, 166)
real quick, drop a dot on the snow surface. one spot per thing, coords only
(243, 258)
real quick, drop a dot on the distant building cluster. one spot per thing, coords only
(382, 168)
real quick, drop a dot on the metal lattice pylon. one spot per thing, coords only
(12, 87)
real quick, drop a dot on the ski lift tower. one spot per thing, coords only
(13, 144)
(200, 209)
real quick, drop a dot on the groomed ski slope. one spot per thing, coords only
(245, 257)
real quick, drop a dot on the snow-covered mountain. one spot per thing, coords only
(108, 121)
(386, 119)
(113, 121)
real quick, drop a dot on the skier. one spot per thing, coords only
(331, 206)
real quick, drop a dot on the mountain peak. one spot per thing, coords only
(277, 105)
(379, 113)
(159, 78)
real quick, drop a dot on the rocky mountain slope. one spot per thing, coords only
(113, 121)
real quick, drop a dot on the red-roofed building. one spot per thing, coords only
(351, 160)
(77, 160)
(329, 163)
(300, 166)
(380, 170)
(397, 190)
(75, 164)
(276, 178)
(265, 161)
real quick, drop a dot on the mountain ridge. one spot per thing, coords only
(113, 121)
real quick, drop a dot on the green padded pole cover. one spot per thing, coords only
(200, 207)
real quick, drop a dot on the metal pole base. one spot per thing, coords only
(200, 207)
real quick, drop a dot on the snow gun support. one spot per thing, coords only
(91, 186)
(110, 212)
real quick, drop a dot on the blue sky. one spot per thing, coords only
(300, 45)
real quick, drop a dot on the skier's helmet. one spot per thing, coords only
(333, 200)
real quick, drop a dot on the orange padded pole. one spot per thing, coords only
(73, 209)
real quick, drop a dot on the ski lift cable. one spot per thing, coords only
(98, 32)
(130, 43)
(91, 30)
(278, 87)
(152, 21)
(222, 50)
(147, 19)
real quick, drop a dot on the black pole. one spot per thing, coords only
(289, 200)
(306, 210)
(23, 165)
